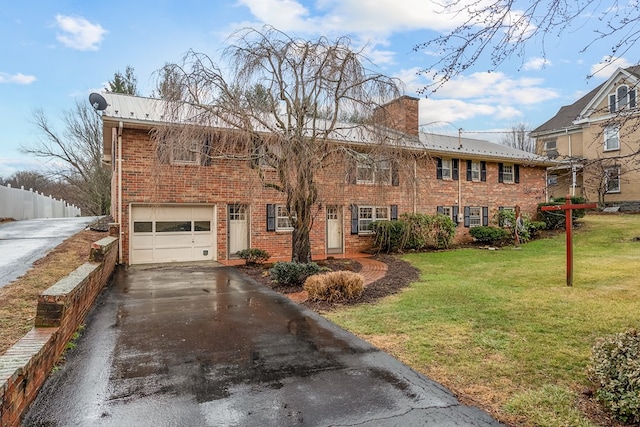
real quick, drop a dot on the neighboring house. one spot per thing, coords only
(193, 208)
(595, 140)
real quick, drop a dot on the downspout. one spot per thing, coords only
(459, 176)
(573, 168)
(119, 161)
(415, 185)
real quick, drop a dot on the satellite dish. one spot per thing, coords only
(98, 102)
(552, 154)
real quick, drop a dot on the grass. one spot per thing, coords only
(502, 329)
(18, 300)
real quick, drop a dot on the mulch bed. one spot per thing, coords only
(399, 275)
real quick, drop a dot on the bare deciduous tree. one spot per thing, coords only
(76, 156)
(500, 29)
(519, 137)
(284, 99)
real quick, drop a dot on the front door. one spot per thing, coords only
(334, 229)
(238, 229)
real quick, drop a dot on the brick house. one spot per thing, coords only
(190, 210)
(594, 140)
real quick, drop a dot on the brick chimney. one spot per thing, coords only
(400, 114)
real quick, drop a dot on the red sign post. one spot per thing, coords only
(568, 208)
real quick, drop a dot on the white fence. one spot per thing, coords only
(18, 203)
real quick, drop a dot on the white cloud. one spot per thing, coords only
(19, 78)
(608, 64)
(78, 33)
(456, 110)
(536, 63)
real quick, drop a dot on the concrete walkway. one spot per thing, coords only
(207, 346)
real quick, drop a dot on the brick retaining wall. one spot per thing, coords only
(61, 310)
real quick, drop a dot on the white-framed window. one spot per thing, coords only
(550, 144)
(507, 173)
(475, 216)
(369, 214)
(447, 211)
(446, 169)
(611, 138)
(622, 98)
(612, 179)
(370, 170)
(552, 180)
(186, 153)
(283, 222)
(475, 171)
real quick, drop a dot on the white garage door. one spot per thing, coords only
(172, 234)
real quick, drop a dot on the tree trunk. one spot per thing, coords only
(301, 246)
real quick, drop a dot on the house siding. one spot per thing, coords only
(147, 182)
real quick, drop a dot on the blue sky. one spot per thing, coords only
(54, 52)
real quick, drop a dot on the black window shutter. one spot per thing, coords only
(354, 219)
(485, 216)
(467, 214)
(500, 218)
(516, 173)
(271, 217)
(469, 176)
(455, 214)
(394, 212)
(439, 168)
(395, 176)
(500, 172)
(483, 171)
(206, 151)
(440, 210)
(455, 167)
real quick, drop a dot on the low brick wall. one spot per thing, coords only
(61, 310)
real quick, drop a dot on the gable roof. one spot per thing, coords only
(567, 115)
(150, 112)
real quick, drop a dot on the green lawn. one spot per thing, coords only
(502, 328)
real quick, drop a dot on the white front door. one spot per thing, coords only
(238, 228)
(334, 229)
(172, 233)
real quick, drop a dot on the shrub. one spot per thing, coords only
(489, 234)
(253, 256)
(556, 219)
(293, 273)
(443, 229)
(414, 231)
(389, 235)
(528, 229)
(615, 367)
(335, 286)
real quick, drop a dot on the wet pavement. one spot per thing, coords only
(24, 242)
(197, 345)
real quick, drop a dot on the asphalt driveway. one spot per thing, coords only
(24, 242)
(205, 346)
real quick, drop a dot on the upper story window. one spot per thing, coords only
(370, 170)
(622, 98)
(507, 173)
(187, 153)
(475, 171)
(611, 138)
(447, 168)
(552, 180)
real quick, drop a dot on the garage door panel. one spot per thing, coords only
(172, 234)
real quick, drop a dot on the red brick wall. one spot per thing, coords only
(25, 366)
(145, 181)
